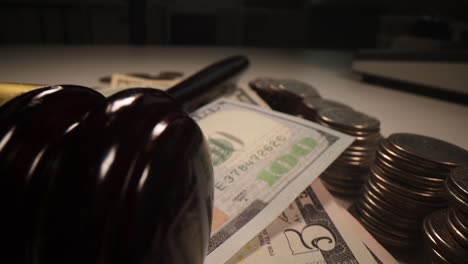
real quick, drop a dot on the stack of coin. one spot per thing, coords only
(312, 105)
(457, 188)
(284, 95)
(444, 247)
(446, 231)
(406, 183)
(349, 171)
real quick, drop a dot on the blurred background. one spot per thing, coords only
(330, 24)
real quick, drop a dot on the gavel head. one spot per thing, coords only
(130, 181)
(29, 125)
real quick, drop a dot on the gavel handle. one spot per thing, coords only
(202, 87)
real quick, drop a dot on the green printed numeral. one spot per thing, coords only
(267, 177)
(287, 162)
(310, 142)
(288, 159)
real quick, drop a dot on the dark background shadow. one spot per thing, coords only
(330, 24)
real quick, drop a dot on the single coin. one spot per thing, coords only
(392, 150)
(341, 191)
(389, 206)
(354, 184)
(388, 218)
(348, 119)
(284, 95)
(260, 83)
(370, 137)
(385, 238)
(316, 103)
(275, 100)
(358, 148)
(416, 208)
(408, 209)
(387, 212)
(399, 192)
(348, 168)
(407, 176)
(357, 162)
(370, 153)
(429, 149)
(345, 178)
(458, 219)
(438, 258)
(459, 178)
(417, 194)
(297, 88)
(406, 179)
(385, 226)
(411, 163)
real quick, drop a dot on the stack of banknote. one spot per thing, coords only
(269, 206)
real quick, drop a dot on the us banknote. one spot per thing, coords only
(262, 161)
(345, 226)
(313, 230)
(246, 95)
(122, 81)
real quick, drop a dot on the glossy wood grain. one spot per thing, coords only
(127, 179)
(29, 125)
(131, 184)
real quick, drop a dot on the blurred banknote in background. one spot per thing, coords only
(262, 161)
(246, 95)
(121, 82)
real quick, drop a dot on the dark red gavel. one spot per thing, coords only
(127, 179)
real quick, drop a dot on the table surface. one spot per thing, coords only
(329, 71)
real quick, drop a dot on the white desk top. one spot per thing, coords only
(329, 71)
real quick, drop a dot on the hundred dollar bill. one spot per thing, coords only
(262, 160)
(336, 214)
(380, 254)
(313, 230)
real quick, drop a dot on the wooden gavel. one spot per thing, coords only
(124, 179)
